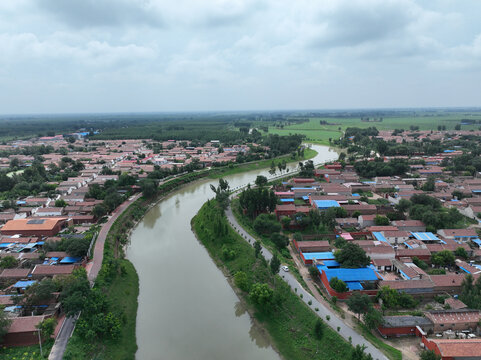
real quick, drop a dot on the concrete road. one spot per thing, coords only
(335, 321)
(62, 338)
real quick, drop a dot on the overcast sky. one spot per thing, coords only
(185, 55)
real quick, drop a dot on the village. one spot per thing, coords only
(405, 247)
(59, 191)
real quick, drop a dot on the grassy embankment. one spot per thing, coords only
(317, 133)
(285, 257)
(261, 164)
(291, 324)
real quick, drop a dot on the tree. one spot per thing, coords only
(286, 222)
(380, 220)
(261, 181)
(99, 210)
(359, 354)
(319, 329)
(148, 187)
(457, 127)
(338, 285)
(266, 224)
(39, 293)
(429, 184)
(352, 256)
(373, 318)
(359, 304)
(47, 327)
(443, 258)
(221, 193)
(281, 241)
(275, 264)
(5, 322)
(257, 248)
(8, 262)
(241, 281)
(403, 205)
(429, 355)
(261, 295)
(461, 252)
(60, 203)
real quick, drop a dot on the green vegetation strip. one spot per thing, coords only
(288, 320)
(26, 352)
(239, 168)
(391, 353)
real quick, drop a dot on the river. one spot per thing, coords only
(187, 310)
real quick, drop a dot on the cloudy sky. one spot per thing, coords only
(156, 55)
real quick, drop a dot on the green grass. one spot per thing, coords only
(261, 164)
(26, 352)
(291, 325)
(389, 351)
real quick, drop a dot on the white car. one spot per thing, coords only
(285, 268)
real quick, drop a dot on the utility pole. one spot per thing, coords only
(40, 342)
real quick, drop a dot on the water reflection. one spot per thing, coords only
(259, 336)
(152, 216)
(240, 309)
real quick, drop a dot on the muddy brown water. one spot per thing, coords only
(187, 309)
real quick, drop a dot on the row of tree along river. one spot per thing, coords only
(187, 310)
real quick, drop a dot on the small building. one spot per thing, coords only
(40, 271)
(34, 227)
(454, 349)
(395, 326)
(23, 331)
(456, 320)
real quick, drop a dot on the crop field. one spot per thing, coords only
(332, 127)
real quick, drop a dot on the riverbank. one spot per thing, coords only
(261, 164)
(290, 323)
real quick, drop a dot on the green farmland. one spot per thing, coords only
(426, 120)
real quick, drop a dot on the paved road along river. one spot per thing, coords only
(187, 310)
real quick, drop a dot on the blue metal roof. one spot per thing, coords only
(356, 194)
(70, 260)
(425, 236)
(354, 285)
(287, 200)
(305, 197)
(360, 274)
(466, 271)
(325, 204)
(379, 236)
(327, 255)
(24, 284)
(331, 263)
(477, 241)
(303, 188)
(4, 245)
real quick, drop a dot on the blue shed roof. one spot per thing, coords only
(70, 260)
(325, 204)
(346, 275)
(327, 255)
(354, 285)
(24, 284)
(287, 200)
(379, 236)
(425, 236)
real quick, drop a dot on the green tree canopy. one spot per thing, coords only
(352, 256)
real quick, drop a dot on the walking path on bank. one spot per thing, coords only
(335, 322)
(68, 326)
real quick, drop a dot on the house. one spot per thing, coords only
(49, 211)
(456, 320)
(14, 274)
(454, 349)
(40, 271)
(366, 220)
(312, 246)
(455, 304)
(363, 280)
(382, 264)
(458, 234)
(364, 209)
(395, 326)
(413, 287)
(410, 225)
(285, 210)
(396, 237)
(23, 331)
(34, 227)
(420, 253)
